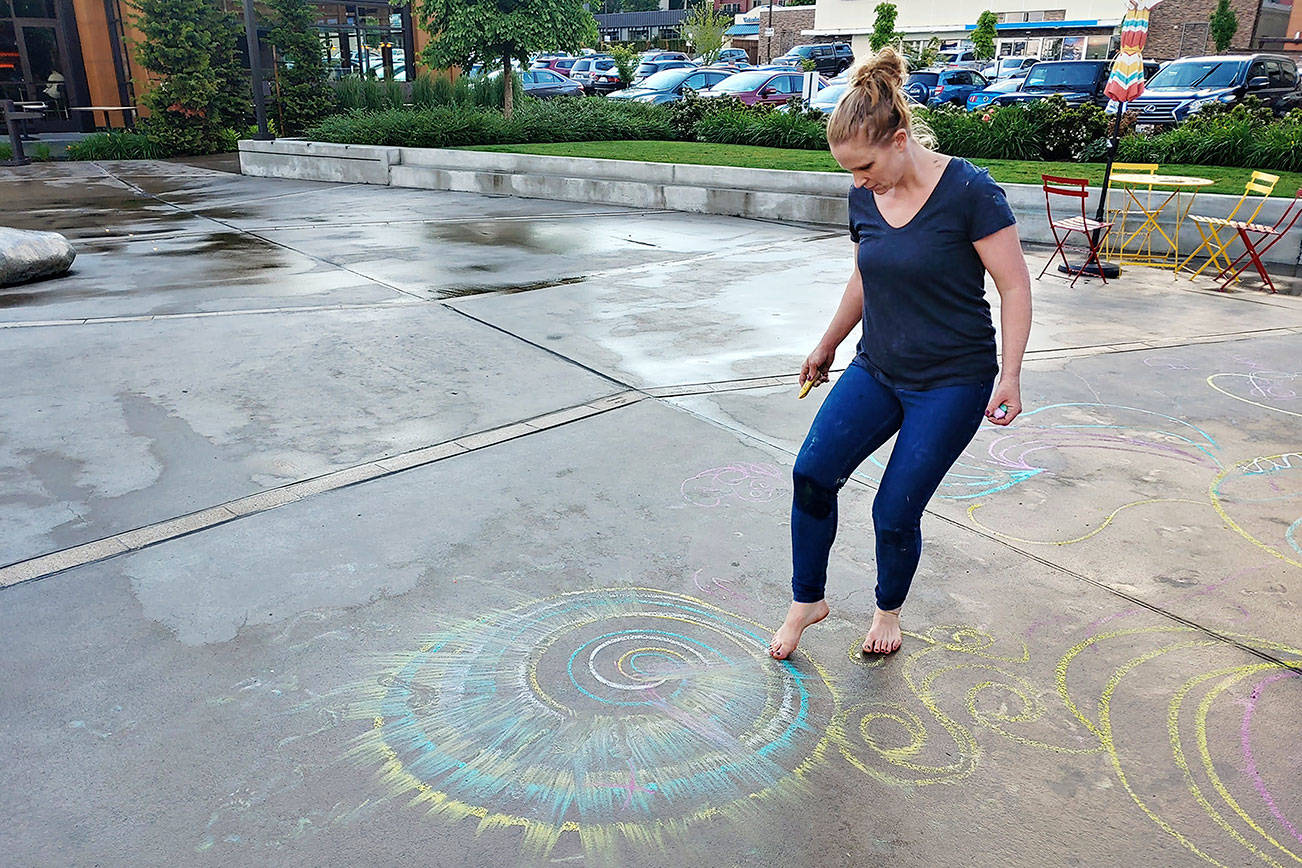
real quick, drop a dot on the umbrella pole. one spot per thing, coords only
(1113, 142)
(1106, 269)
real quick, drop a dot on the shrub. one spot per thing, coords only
(1048, 129)
(37, 153)
(1245, 135)
(303, 94)
(791, 129)
(438, 89)
(354, 93)
(118, 146)
(191, 47)
(582, 119)
(687, 112)
(558, 120)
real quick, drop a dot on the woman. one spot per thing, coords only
(926, 227)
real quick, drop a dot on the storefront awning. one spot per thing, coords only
(742, 30)
(1051, 25)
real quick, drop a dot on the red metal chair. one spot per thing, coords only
(1250, 249)
(1076, 188)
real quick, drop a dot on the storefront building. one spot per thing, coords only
(1076, 30)
(73, 57)
(658, 27)
(66, 55)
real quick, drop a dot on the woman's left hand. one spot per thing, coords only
(1006, 403)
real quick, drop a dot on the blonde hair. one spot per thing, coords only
(874, 104)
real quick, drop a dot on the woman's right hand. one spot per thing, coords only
(817, 366)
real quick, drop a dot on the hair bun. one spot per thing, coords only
(885, 68)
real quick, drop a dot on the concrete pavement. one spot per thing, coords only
(355, 525)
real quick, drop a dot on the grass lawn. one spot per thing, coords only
(1228, 180)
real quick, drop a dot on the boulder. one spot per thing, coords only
(26, 255)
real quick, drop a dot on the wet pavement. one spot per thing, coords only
(352, 525)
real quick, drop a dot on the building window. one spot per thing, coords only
(369, 41)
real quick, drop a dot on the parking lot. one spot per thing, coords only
(350, 525)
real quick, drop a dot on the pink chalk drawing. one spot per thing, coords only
(1249, 762)
(716, 587)
(743, 482)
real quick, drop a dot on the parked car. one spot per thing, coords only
(1185, 86)
(755, 86)
(829, 58)
(731, 65)
(1076, 81)
(544, 84)
(561, 65)
(1013, 66)
(597, 74)
(654, 54)
(827, 99)
(669, 85)
(651, 67)
(726, 55)
(937, 86)
(982, 98)
(966, 57)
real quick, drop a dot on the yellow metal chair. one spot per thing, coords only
(1262, 184)
(1119, 214)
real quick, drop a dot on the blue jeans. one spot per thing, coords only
(857, 417)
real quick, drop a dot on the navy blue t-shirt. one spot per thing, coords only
(926, 321)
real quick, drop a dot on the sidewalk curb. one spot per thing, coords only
(817, 198)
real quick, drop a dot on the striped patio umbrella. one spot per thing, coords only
(1127, 79)
(1124, 84)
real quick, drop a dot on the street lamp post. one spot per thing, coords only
(255, 71)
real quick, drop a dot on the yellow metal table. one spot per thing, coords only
(1136, 245)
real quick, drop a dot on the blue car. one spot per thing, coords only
(934, 87)
(982, 98)
(1076, 81)
(668, 85)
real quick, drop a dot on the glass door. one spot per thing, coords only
(34, 61)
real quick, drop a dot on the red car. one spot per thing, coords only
(559, 65)
(768, 86)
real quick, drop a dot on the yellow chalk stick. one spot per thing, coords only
(809, 384)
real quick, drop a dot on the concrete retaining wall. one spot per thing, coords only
(767, 194)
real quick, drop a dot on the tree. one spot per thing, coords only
(499, 31)
(1224, 25)
(983, 37)
(703, 30)
(922, 55)
(626, 63)
(883, 27)
(198, 89)
(639, 5)
(304, 95)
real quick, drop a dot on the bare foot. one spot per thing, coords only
(884, 636)
(799, 616)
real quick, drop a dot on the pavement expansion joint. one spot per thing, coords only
(257, 311)
(49, 564)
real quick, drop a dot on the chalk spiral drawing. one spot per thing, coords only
(742, 482)
(626, 716)
(616, 715)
